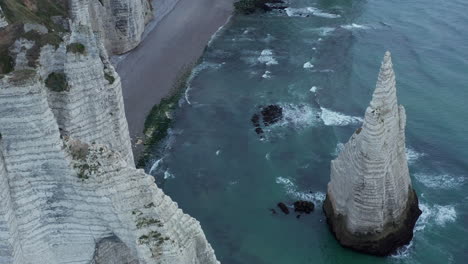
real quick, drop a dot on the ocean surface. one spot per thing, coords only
(319, 60)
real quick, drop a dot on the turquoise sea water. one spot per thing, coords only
(222, 173)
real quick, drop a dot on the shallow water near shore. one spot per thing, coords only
(319, 60)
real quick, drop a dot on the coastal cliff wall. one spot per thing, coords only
(69, 191)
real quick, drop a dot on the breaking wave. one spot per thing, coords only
(267, 58)
(331, 118)
(299, 116)
(293, 192)
(412, 155)
(440, 181)
(266, 75)
(308, 65)
(197, 70)
(339, 147)
(431, 215)
(307, 11)
(355, 26)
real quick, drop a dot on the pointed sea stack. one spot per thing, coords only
(371, 206)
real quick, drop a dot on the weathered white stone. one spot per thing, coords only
(370, 179)
(3, 21)
(19, 51)
(69, 191)
(370, 203)
(119, 23)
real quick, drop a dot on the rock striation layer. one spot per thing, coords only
(69, 190)
(371, 206)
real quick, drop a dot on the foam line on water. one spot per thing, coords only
(412, 155)
(197, 70)
(298, 116)
(440, 181)
(432, 216)
(331, 118)
(293, 192)
(306, 11)
(355, 26)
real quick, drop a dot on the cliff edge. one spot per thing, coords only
(69, 190)
(371, 206)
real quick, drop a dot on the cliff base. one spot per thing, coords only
(393, 236)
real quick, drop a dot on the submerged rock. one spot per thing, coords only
(283, 208)
(272, 114)
(267, 116)
(304, 207)
(371, 206)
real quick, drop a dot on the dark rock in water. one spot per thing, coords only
(255, 120)
(251, 6)
(273, 211)
(269, 115)
(304, 207)
(283, 208)
(298, 216)
(272, 114)
(384, 243)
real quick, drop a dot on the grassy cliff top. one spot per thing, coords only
(35, 11)
(20, 12)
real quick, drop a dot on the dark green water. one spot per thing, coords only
(222, 173)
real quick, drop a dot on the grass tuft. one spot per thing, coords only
(57, 82)
(76, 48)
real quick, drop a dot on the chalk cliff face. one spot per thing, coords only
(3, 22)
(69, 191)
(371, 205)
(120, 22)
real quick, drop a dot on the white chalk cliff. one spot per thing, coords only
(69, 190)
(370, 197)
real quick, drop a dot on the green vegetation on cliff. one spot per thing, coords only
(159, 119)
(19, 12)
(35, 11)
(76, 48)
(57, 82)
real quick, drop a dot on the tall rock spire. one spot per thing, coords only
(371, 206)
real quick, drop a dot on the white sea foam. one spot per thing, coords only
(291, 190)
(266, 75)
(168, 175)
(155, 165)
(199, 68)
(218, 152)
(440, 215)
(267, 58)
(331, 118)
(412, 155)
(306, 11)
(299, 116)
(355, 26)
(325, 31)
(308, 65)
(267, 156)
(437, 215)
(440, 181)
(338, 149)
(313, 89)
(217, 33)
